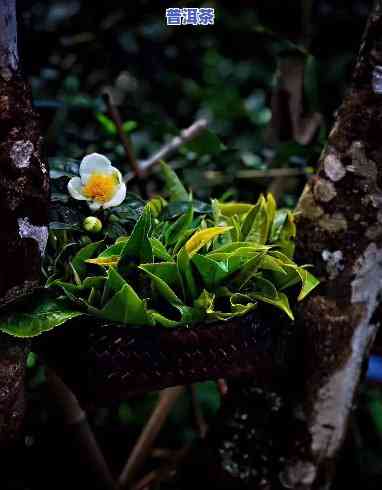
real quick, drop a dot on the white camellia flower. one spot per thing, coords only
(99, 183)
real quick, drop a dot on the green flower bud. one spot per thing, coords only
(92, 224)
(114, 219)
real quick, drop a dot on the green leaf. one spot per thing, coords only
(110, 261)
(46, 315)
(167, 271)
(206, 143)
(93, 282)
(271, 208)
(31, 360)
(309, 282)
(164, 321)
(256, 224)
(113, 250)
(235, 223)
(214, 273)
(182, 240)
(131, 208)
(234, 246)
(76, 277)
(125, 307)
(283, 258)
(129, 126)
(115, 281)
(137, 248)
(187, 278)
(178, 228)
(173, 185)
(188, 316)
(272, 264)
(232, 208)
(266, 291)
(294, 274)
(85, 253)
(247, 271)
(278, 224)
(288, 231)
(205, 302)
(72, 288)
(164, 276)
(157, 204)
(202, 237)
(287, 236)
(241, 304)
(244, 252)
(178, 208)
(107, 124)
(159, 250)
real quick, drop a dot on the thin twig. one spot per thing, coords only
(170, 148)
(156, 476)
(147, 438)
(125, 140)
(199, 419)
(218, 177)
(73, 415)
(162, 453)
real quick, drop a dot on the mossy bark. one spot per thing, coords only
(340, 232)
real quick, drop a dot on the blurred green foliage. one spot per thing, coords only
(164, 78)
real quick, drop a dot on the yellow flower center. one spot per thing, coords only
(100, 187)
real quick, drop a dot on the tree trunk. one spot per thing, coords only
(290, 437)
(24, 193)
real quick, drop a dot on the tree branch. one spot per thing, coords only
(170, 148)
(75, 418)
(218, 177)
(147, 438)
(125, 140)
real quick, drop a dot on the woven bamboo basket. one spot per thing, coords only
(103, 361)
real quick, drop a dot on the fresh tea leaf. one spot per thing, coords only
(173, 185)
(46, 315)
(202, 237)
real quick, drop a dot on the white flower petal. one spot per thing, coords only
(118, 197)
(75, 189)
(94, 162)
(118, 174)
(94, 206)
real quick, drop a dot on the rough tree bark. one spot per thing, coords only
(290, 437)
(24, 194)
(340, 232)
